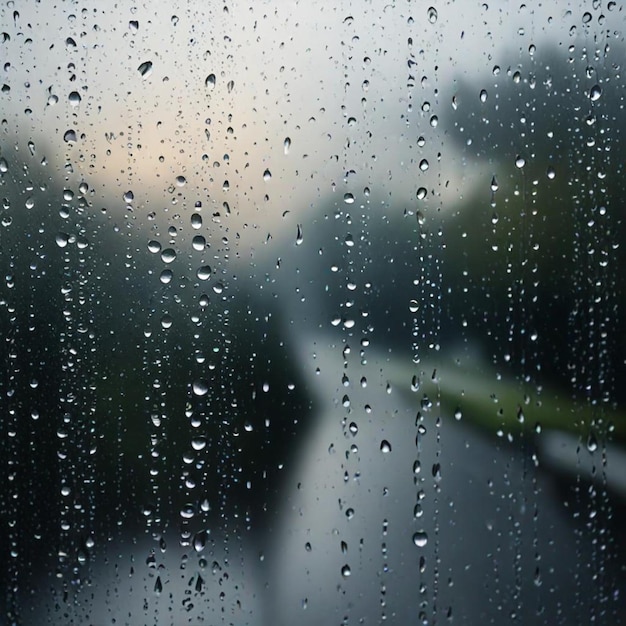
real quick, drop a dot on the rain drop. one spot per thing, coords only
(209, 81)
(432, 15)
(70, 136)
(145, 69)
(154, 246)
(200, 387)
(204, 272)
(198, 243)
(420, 539)
(196, 221)
(286, 145)
(74, 98)
(595, 93)
(520, 161)
(385, 446)
(168, 255)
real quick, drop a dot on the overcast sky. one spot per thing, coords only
(220, 90)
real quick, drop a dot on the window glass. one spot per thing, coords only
(312, 313)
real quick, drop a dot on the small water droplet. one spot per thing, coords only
(299, 235)
(286, 145)
(458, 414)
(145, 69)
(74, 98)
(520, 161)
(385, 446)
(346, 571)
(421, 193)
(432, 15)
(595, 93)
(348, 198)
(133, 25)
(414, 306)
(154, 246)
(483, 95)
(267, 175)
(209, 81)
(166, 276)
(424, 165)
(4, 166)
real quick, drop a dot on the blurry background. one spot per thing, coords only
(312, 313)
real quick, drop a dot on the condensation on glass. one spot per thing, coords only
(312, 313)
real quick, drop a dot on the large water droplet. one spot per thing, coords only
(595, 93)
(168, 255)
(145, 69)
(420, 539)
(432, 15)
(200, 387)
(204, 272)
(74, 98)
(198, 242)
(210, 81)
(70, 136)
(196, 221)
